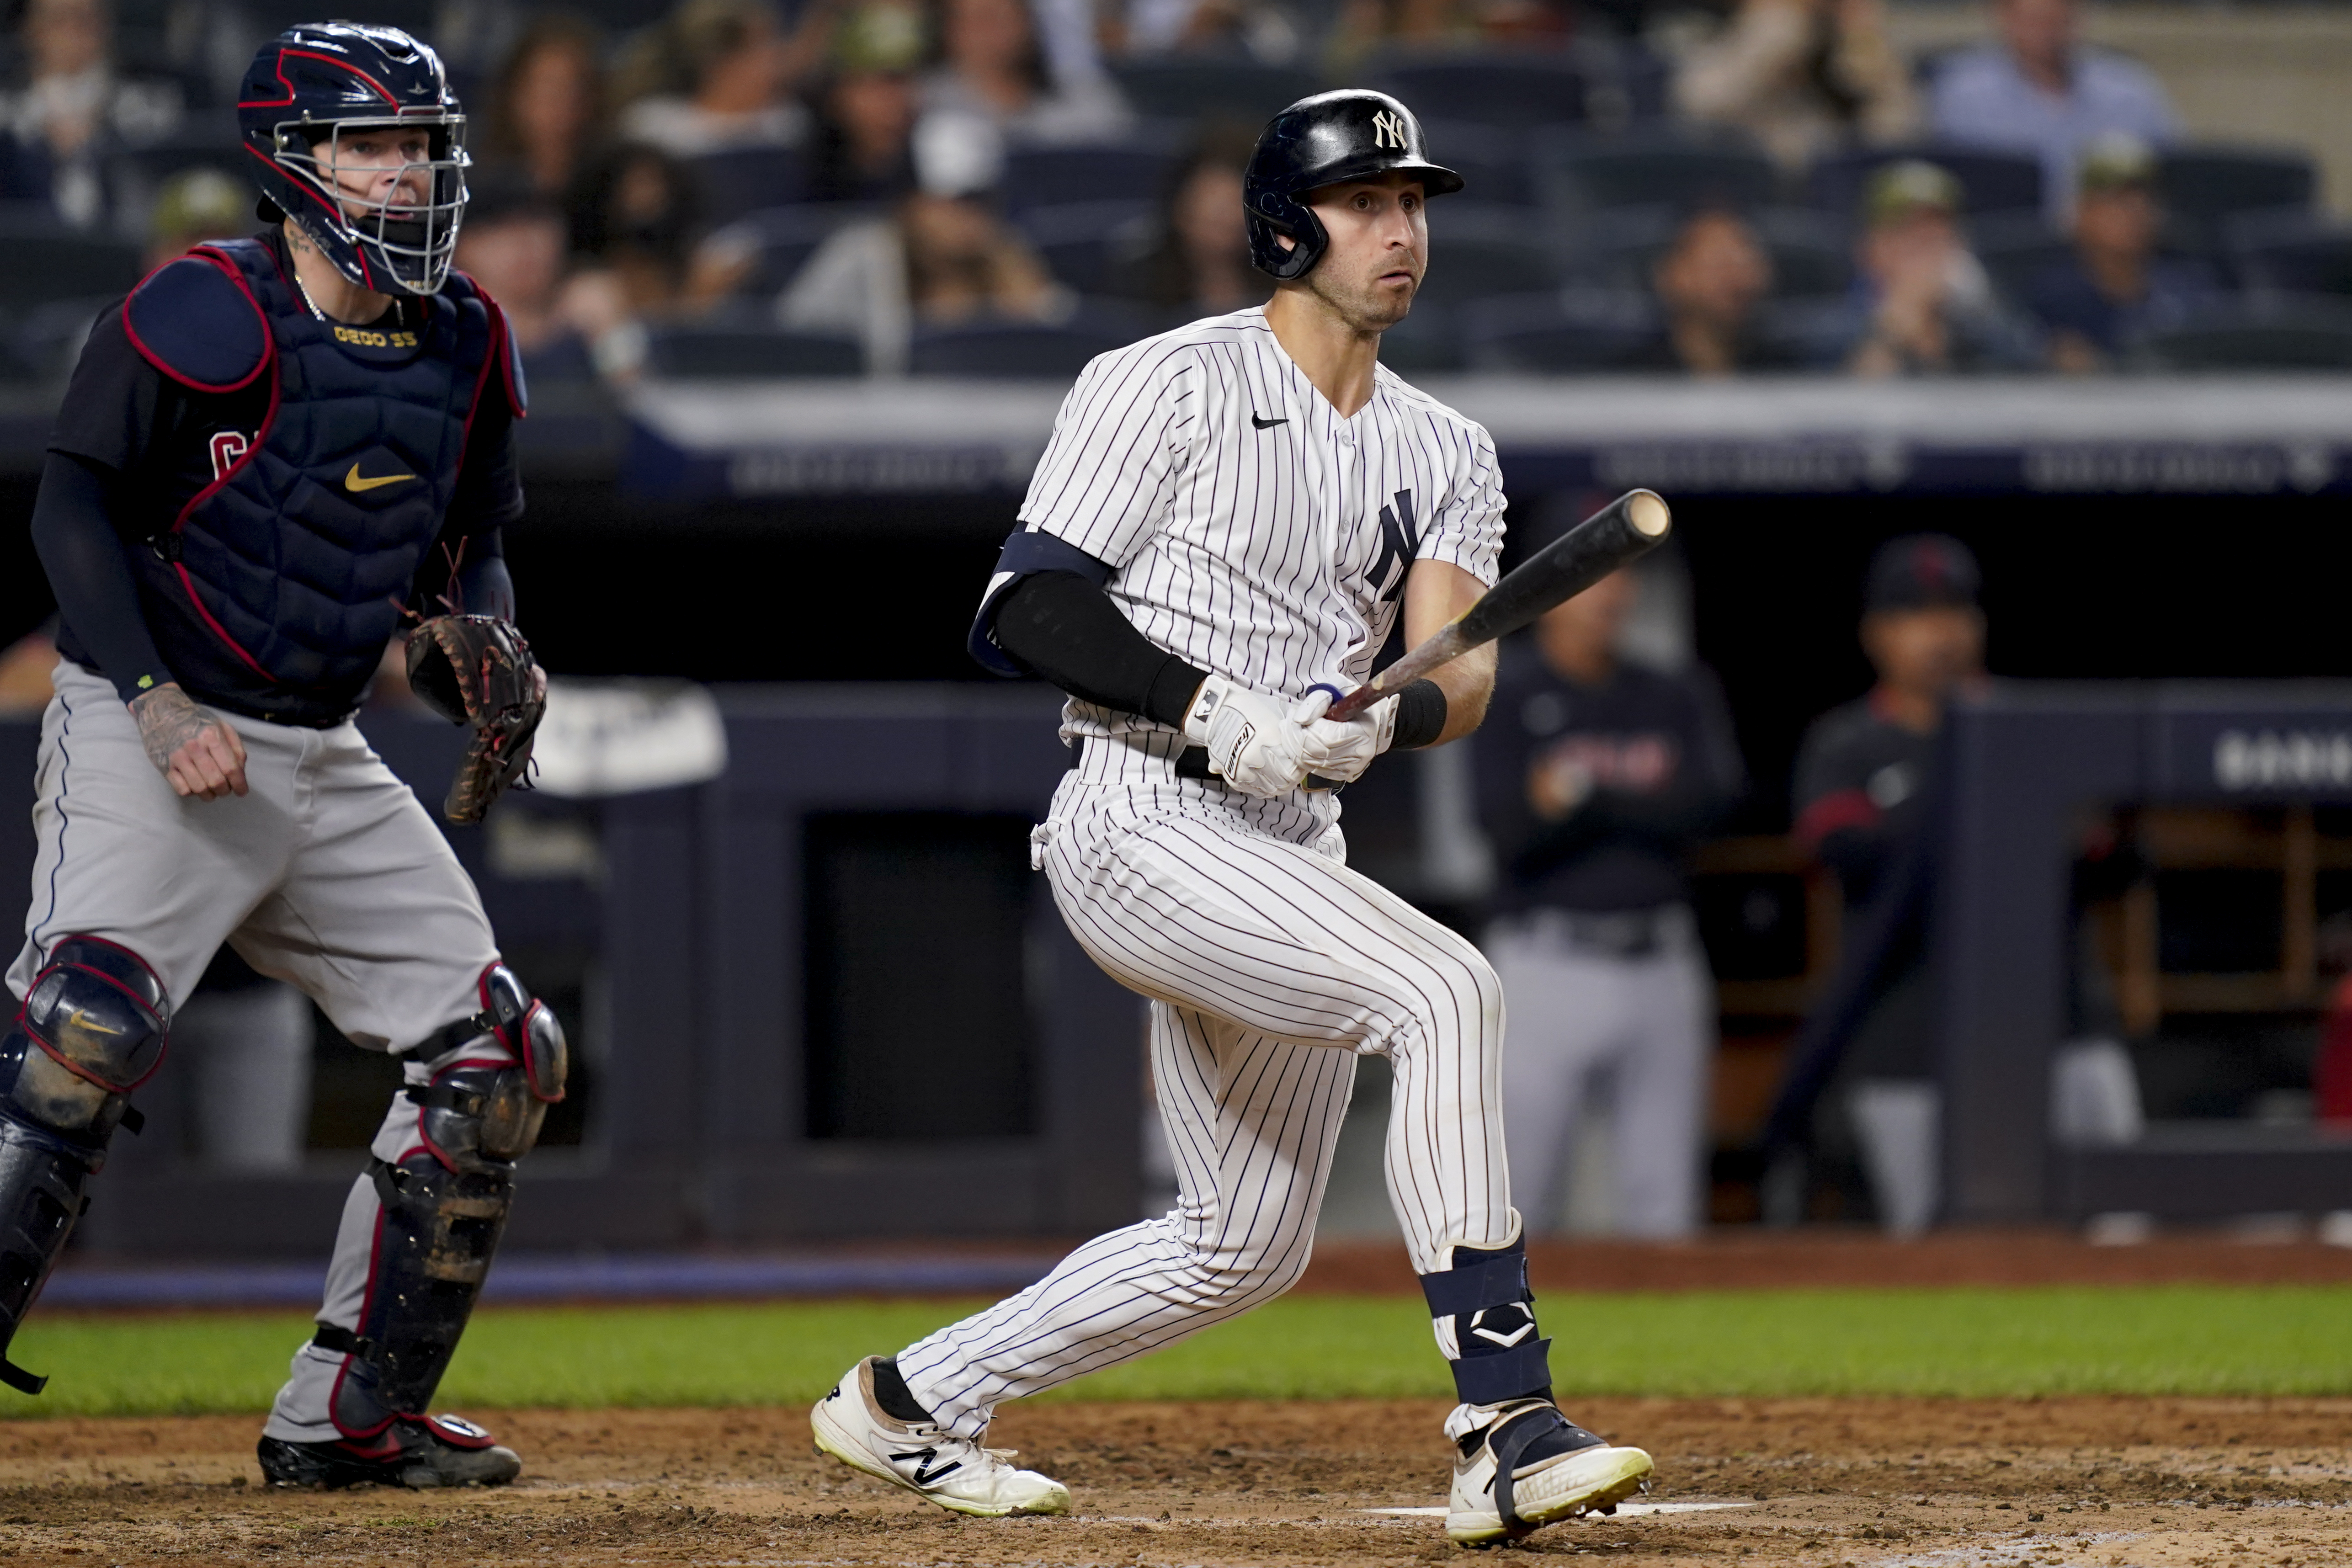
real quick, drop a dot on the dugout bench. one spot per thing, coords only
(2023, 764)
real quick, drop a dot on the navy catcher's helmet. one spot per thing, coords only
(1349, 135)
(314, 84)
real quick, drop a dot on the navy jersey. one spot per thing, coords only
(164, 444)
(1665, 768)
(1859, 778)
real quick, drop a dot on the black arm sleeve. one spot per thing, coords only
(489, 496)
(1064, 629)
(74, 530)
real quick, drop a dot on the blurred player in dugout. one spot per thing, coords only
(1597, 774)
(1860, 773)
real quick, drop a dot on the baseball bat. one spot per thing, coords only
(1617, 535)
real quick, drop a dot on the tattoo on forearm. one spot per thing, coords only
(168, 719)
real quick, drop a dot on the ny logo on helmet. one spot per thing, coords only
(1388, 129)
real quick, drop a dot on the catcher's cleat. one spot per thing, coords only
(1530, 1467)
(414, 1451)
(958, 1475)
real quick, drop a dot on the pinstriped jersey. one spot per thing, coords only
(1251, 529)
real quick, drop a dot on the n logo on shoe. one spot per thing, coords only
(924, 1459)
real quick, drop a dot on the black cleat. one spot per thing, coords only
(417, 1451)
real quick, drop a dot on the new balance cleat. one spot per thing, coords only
(414, 1451)
(959, 1475)
(1530, 1467)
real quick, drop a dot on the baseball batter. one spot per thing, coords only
(1223, 529)
(266, 448)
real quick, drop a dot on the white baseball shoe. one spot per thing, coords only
(956, 1474)
(1530, 1467)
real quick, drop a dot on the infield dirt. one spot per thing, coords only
(1861, 1482)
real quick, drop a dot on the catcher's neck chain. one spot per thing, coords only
(399, 305)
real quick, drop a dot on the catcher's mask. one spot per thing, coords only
(311, 89)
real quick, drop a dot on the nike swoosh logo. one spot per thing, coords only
(1268, 424)
(354, 484)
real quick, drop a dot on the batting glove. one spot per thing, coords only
(1252, 742)
(1340, 749)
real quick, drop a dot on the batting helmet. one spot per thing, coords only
(1350, 134)
(314, 84)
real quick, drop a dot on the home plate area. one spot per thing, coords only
(1886, 1483)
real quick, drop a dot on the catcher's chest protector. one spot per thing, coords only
(297, 556)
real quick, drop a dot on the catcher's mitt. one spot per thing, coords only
(477, 670)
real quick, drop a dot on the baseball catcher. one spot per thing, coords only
(272, 453)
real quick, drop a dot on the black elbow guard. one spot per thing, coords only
(1025, 553)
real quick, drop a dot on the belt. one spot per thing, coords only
(1618, 933)
(1193, 762)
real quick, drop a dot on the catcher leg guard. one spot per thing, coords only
(92, 1029)
(436, 1200)
(1521, 1463)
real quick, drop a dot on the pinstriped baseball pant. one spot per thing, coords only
(1269, 966)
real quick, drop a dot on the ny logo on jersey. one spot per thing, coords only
(1399, 538)
(1388, 129)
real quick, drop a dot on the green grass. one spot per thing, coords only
(2186, 1339)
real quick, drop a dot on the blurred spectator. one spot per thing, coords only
(2114, 286)
(513, 245)
(865, 116)
(1596, 776)
(2038, 91)
(1366, 27)
(72, 109)
(941, 258)
(193, 206)
(1709, 283)
(1862, 777)
(1195, 27)
(1921, 301)
(997, 79)
(1802, 77)
(634, 232)
(547, 104)
(1198, 261)
(717, 75)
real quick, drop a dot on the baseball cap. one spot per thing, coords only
(1898, 190)
(1921, 571)
(887, 40)
(2115, 160)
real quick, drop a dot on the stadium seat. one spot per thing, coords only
(2204, 186)
(2016, 248)
(1514, 92)
(1990, 181)
(1057, 176)
(1190, 88)
(733, 351)
(41, 261)
(1560, 333)
(1426, 342)
(1589, 175)
(2290, 253)
(781, 239)
(1020, 350)
(2271, 332)
(1078, 240)
(1493, 163)
(1479, 252)
(747, 180)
